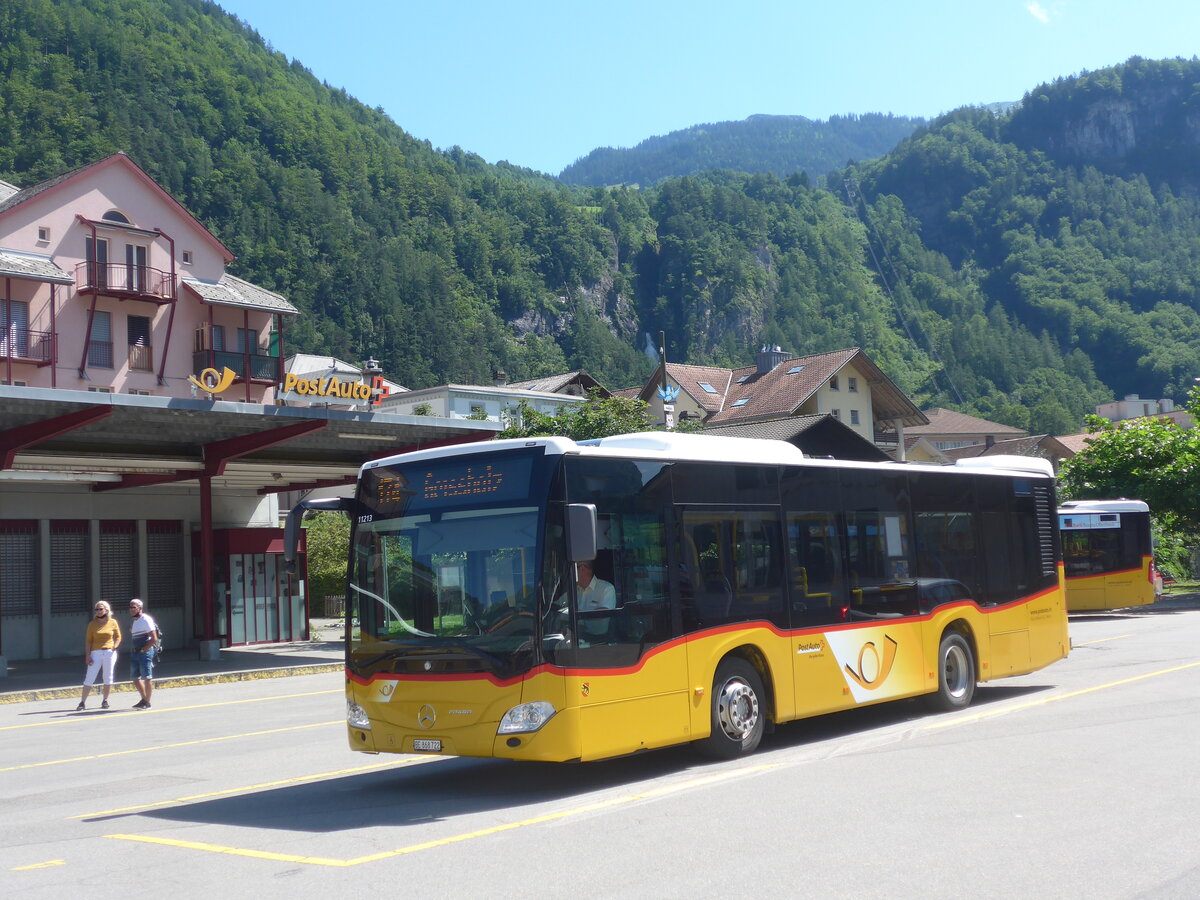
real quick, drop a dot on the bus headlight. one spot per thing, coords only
(526, 718)
(356, 716)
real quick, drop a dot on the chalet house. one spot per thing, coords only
(844, 385)
(143, 440)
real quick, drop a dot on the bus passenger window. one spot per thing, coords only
(816, 580)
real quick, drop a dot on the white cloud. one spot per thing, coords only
(1039, 12)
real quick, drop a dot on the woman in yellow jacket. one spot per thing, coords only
(100, 650)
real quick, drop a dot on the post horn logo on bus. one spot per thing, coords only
(872, 672)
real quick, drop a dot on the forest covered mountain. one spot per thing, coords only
(781, 145)
(1022, 267)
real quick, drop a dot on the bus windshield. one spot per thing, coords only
(439, 582)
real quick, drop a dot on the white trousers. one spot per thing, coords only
(102, 661)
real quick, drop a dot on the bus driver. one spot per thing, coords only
(594, 593)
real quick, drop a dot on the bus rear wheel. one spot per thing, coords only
(956, 674)
(738, 716)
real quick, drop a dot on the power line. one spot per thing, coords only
(854, 195)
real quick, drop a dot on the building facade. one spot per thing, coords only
(148, 425)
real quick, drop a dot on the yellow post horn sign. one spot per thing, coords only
(212, 381)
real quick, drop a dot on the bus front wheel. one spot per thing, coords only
(956, 674)
(737, 711)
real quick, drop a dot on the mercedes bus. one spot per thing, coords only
(742, 585)
(1107, 554)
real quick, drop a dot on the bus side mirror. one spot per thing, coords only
(581, 531)
(291, 529)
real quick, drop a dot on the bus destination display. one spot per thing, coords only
(441, 484)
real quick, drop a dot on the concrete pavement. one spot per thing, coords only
(51, 679)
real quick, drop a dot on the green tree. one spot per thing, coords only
(1146, 459)
(596, 418)
(327, 539)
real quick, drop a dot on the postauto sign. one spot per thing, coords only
(213, 382)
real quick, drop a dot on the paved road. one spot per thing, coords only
(1077, 781)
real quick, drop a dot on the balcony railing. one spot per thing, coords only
(255, 367)
(100, 354)
(27, 346)
(121, 280)
(141, 358)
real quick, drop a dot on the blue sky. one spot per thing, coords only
(542, 82)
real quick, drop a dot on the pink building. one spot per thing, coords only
(110, 285)
(148, 428)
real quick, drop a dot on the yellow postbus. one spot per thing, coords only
(549, 600)
(1107, 554)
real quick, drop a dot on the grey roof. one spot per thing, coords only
(234, 291)
(32, 266)
(775, 429)
(559, 384)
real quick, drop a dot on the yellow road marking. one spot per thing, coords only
(300, 779)
(49, 864)
(611, 802)
(141, 713)
(1100, 640)
(213, 740)
(1042, 701)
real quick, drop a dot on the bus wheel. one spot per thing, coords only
(737, 712)
(956, 674)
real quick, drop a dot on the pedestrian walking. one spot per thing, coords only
(143, 641)
(100, 645)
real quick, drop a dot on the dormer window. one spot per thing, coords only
(114, 216)
(707, 388)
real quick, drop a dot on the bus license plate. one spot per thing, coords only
(428, 745)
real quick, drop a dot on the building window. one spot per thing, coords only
(19, 567)
(138, 393)
(141, 356)
(96, 254)
(14, 383)
(833, 383)
(118, 560)
(247, 340)
(135, 267)
(164, 563)
(794, 369)
(100, 348)
(99, 389)
(218, 337)
(115, 216)
(743, 379)
(706, 387)
(853, 385)
(836, 413)
(187, 257)
(14, 328)
(43, 234)
(69, 566)
(741, 402)
(854, 417)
